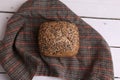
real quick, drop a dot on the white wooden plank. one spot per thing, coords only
(46, 78)
(4, 77)
(116, 60)
(3, 20)
(109, 29)
(1, 69)
(100, 8)
(10, 5)
(115, 57)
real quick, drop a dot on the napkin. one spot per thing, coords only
(20, 56)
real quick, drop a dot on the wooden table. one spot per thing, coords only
(109, 29)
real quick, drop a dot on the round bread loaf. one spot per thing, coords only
(58, 39)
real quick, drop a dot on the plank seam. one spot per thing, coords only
(80, 16)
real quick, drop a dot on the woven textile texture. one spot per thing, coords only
(20, 56)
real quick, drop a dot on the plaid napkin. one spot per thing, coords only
(20, 56)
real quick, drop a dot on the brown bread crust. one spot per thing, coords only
(58, 39)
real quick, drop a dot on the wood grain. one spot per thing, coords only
(116, 60)
(3, 22)
(109, 29)
(4, 77)
(1, 69)
(10, 5)
(115, 57)
(99, 8)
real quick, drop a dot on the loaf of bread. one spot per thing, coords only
(58, 39)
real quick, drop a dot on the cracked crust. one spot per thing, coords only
(58, 39)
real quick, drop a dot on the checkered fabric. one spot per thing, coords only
(20, 56)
